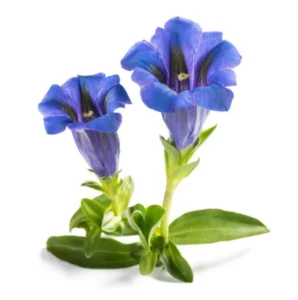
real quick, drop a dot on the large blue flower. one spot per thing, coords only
(184, 73)
(86, 105)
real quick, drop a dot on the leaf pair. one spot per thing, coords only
(175, 171)
(177, 166)
(145, 221)
(90, 216)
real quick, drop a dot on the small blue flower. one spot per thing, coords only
(184, 73)
(86, 105)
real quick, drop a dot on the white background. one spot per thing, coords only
(249, 165)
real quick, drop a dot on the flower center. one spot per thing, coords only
(89, 112)
(182, 76)
(179, 79)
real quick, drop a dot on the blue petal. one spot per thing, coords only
(213, 97)
(71, 88)
(159, 97)
(224, 56)
(161, 42)
(57, 124)
(57, 101)
(91, 83)
(143, 55)
(106, 123)
(185, 35)
(184, 100)
(51, 108)
(78, 126)
(117, 97)
(208, 41)
(106, 85)
(143, 77)
(225, 77)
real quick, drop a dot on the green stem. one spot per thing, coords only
(167, 202)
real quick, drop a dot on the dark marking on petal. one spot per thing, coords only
(89, 112)
(157, 73)
(178, 66)
(204, 68)
(69, 110)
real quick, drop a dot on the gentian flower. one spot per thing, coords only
(184, 73)
(86, 105)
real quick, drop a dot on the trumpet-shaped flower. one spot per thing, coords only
(86, 105)
(184, 73)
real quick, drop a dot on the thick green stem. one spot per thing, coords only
(167, 201)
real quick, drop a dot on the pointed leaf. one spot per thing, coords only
(184, 171)
(186, 155)
(172, 152)
(176, 264)
(213, 225)
(148, 262)
(109, 253)
(205, 134)
(153, 215)
(103, 200)
(124, 191)
(79, 220)
(93, 210)
(93, 185)
(92, 240)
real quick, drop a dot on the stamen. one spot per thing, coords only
(182, 76)
(89, 114)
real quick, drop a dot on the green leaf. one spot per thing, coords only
(109, 253)
(148, 262)
(79, 220)
(103, 200)
(184, 171)
(213, 225)
(172, 152)
(205, 134)
(176, 264)
(123, 191)
(93, 185)
(93, 210)
(138, 223)
(187, 154)
(144, 221)
(92, 240)
(153, 215)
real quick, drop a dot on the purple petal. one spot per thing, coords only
(213, 97)
(106, 123)
(100, 150)
(185, 125)
(225, 77)
(143, 77)
(117, 97)
(158, 96)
